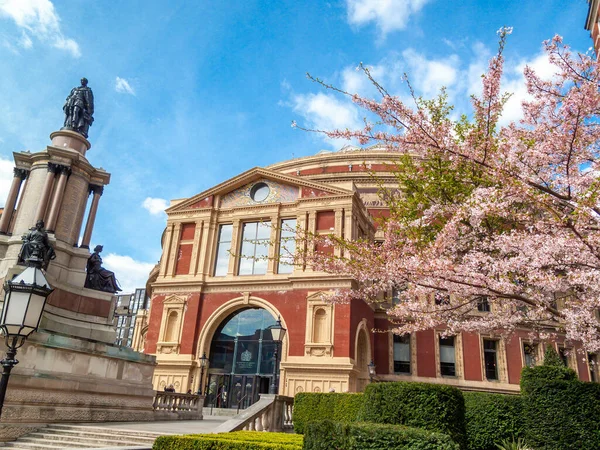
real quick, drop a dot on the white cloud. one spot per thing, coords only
(38, 18)
(155, 206)
(514, 83)
(122, 86)
(388, 15)
(25, 41)
(130, 274)
(355, 81)
(429, 75)
(326, 112)
(6, 177)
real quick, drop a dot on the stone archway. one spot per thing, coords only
(208, 334)
(362, 358)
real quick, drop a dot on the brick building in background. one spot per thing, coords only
(207, 298)
(592, 25)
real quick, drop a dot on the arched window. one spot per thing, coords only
(243, 343)
(362, 351)
(171, 332)
(320, 326)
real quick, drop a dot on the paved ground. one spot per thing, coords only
(206, 425)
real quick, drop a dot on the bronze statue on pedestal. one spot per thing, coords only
(36, 248)
(99, 278)
(79, 109)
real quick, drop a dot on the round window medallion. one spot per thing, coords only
(259, 192)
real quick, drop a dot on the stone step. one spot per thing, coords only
(51, 433)
(37, 446)
(96, 440)
(73, 429)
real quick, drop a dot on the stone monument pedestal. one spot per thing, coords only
(70, 370)
(61, 378)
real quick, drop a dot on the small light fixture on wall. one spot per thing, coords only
(371, 366)
(278, 333)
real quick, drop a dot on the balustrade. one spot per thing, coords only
(178, 403)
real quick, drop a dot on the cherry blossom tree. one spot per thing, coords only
(509, 214)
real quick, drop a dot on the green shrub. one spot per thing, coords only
(430, 406)
(561, 415)
(239, 440)
(328, 435)
(553, 369)
(491, 418)
(310, 407)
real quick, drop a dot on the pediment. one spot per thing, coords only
(275, 187)
(174, 300)
(319, 297)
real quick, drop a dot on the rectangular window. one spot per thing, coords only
(223, 247)
(447, 356)
(441, 298)
(402, 353)
(564, 355)
(593, 363)
(490, 359)
(530, 353)
(287, 246)
(255, 248)
(483, 305)
(396, 295)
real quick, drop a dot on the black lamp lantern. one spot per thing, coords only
(278, 333)
(24, 300)
(372, 373)
(203, 364)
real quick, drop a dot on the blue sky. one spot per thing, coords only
(189, 94)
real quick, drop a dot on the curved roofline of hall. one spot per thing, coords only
(343, 153)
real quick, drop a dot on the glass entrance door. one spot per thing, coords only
(217, 391)
(241, 359)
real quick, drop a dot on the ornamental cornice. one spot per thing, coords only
(232, 285)
(267, 210)
(250, 175)
(328, 365)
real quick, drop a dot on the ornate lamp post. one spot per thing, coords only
(372, 373)
(203, 364)
(278, 333)
(24, 301)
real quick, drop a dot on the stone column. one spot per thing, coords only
(236, 247)
(274, 242)
(47, 189)
(13, 193)
(58, 196)
(89, 226)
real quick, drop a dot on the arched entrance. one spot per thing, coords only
(241, 359)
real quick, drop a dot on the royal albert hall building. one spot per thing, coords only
(208, 298)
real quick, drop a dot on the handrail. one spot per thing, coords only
(270, 413)
(239, 402)
(212, 405)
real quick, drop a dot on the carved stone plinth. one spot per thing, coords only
(65, 379)
(70, 139)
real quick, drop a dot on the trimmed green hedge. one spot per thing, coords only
(433, 407)
(239, 440)
(328, 435)
(559, 411)
(310, 407)
(562, 415)
(491, 418)
(553, 369)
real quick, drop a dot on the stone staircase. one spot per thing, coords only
(60, 436)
